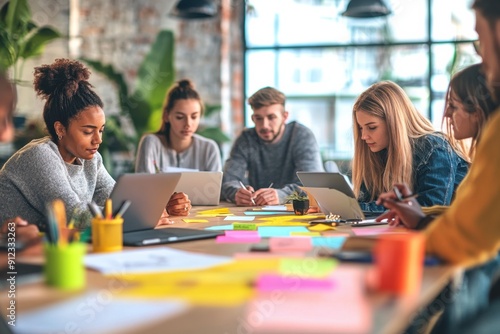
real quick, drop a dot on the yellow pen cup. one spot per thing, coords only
(64, 268)
(107, 235)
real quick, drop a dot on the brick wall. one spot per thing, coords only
(120, 32)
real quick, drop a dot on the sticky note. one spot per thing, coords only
(271, 282)
(192, 220)
(244, 227)
(279, 231)
(308, 267)
(305, 234)
(237, 240)
(214, 211)
(286, 244)
(321, 227)
(328, 242)
(241, 234)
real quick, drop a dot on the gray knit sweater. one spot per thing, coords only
(36, 175)
(203, 155)
(259, 164)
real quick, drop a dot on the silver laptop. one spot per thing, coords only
(202, 188)
(149, 194)
(334, 194)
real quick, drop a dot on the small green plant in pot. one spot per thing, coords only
(300, 202)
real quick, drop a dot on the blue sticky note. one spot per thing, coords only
(329, 242)
(220, 227)
(280, 231)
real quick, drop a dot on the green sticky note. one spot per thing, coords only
(307, 267)
(244, 227)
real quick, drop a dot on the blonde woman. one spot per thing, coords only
(394, 143)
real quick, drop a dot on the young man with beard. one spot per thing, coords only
(269, 154)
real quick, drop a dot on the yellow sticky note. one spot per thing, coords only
(192, 220)
(321, 227)
(214, 211)
(305, 234)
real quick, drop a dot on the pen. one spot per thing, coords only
(401, 197)
(243, 186)
(121, 210)
(271, 185)
(94, 208)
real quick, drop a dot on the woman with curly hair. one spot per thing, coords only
(65, 164)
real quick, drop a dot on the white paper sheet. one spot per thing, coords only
(151, 260)
(100, 312)
(240, 218)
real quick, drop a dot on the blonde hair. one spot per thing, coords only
(379, 173)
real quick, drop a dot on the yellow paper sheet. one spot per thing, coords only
(192, 220)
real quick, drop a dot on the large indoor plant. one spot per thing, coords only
(20, 37)
(142, 106)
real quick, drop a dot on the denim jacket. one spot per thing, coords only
(437, 172)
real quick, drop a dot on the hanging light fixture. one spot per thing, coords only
(194, 9)
(366, 9)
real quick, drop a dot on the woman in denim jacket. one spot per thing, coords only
(394, 143)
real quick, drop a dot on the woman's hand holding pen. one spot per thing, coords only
(403, 207)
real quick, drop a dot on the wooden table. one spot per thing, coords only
(390, 314)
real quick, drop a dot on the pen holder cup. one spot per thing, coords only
(399, 261)
(107, 235)
(64, 268)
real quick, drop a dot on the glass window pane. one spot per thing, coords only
(453, 20)
(448, 59)
(261, 69)
(321, 22)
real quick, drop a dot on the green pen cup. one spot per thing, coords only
(64, 267)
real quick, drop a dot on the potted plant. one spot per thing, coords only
(300, 202)
(20, 37)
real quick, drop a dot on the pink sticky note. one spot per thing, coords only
(377, 230)
(241, 234)
(279, 244)
(271, 282)
(226, 239)
(343, 309)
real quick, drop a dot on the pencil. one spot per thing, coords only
(108, 209)
(243, 186)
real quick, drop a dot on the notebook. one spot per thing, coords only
(202, 188)
(149, 193)
(334, 195)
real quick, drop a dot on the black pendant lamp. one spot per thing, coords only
(195, 9)
(366, 9)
